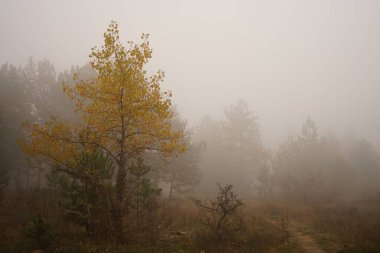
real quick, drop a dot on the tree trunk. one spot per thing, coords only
(119, 206)
(138, 202)
(118, 224)
(171, 189)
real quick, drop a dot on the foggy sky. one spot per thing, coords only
(288, 59)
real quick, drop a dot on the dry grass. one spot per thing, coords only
(175, 227)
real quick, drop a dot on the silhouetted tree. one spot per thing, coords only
(308, 169)
(4, 159)
(244, 148)
(181, 173)
(365, 162)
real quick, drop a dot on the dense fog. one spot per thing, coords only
(277, 98)
(288, 60)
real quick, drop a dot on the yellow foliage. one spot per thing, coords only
(124, 112)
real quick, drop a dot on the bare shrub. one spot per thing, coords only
(222, 216)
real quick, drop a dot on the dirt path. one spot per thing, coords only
(307, 243)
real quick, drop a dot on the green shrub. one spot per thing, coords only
(40, 233)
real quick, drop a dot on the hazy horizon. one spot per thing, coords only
(288, 60)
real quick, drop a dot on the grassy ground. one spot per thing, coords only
(274, 228)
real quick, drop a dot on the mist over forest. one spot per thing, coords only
(189, 126)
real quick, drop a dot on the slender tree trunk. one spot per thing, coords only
(118, 208)
(118, 224)
(138, 202)
(55, 196)
(27, 177)
(171, 189)
(39, 180)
